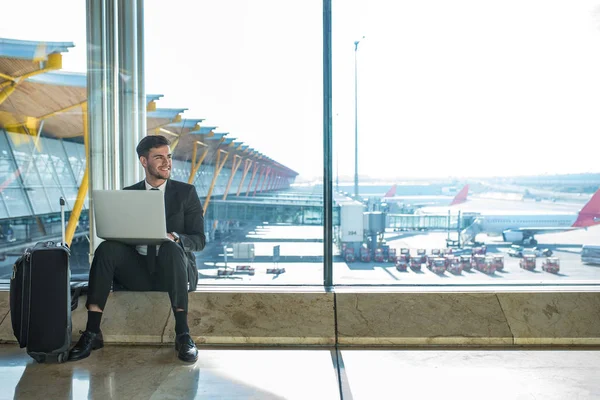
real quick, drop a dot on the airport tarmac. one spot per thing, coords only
(301, 254)
(304, 265)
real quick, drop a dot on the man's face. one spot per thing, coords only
(158, 164)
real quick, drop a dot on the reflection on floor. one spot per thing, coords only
(143, 372)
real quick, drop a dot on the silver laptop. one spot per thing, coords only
(130, 216)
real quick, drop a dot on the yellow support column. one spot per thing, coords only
(196, 164)
(218, 167)
(262, 187)
(83, 187)
(271, 182)
(7, 92)
(247, 165)
(264, 168)
(254, 170)
(235, 166)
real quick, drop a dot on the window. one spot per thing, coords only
(259, 82)
(420, 84)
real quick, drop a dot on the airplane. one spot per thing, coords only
(521, 227)
(420, 201)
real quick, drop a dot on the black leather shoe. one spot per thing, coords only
(186, 348)
(87, 342)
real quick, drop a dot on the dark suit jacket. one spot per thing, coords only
(184, 215)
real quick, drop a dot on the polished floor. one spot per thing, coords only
(142, 372)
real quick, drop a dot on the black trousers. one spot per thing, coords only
(121, 263)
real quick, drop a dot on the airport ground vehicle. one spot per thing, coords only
(477, 259)
(392, 256)
(489, 266)
(404, 254)
(590, 254)
(275, 271)
(498, 263)
(447, 251)
(551, 264)
(520, 251)
(365, 255)
(454, 266)
(437, 265)
(415, 263)
(423, 254)
(349, 255)
(479, 250)
(378, 255)
(465, 263)
(515, 251)
(484, 264)
(538, 252)
(241, 269)
(528, 262)
(401, 265)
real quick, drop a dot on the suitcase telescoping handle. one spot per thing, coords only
(62, 218)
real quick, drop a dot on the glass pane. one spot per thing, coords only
(24, 150)
(8, 170)
(35, 168)
(477, 135)
(70, 194)
(59, 161)
(39, 200)
(76, 155)
(16, 202)
(54, 195)
(258, 219)
(43, 162)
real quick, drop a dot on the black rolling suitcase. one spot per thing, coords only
(40, 299)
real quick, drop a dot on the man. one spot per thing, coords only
(145, 268)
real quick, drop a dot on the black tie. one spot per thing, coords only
(152, 254)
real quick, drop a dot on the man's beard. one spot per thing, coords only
(156, 173)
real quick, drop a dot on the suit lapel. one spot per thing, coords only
(170, 198)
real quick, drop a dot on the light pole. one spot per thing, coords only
(356, 119)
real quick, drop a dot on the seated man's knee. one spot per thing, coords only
(109, 248)
(110, 245)
(171, 249)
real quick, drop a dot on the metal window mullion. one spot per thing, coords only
(327, 151)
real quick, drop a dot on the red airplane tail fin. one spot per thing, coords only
(461, 197)
(391, 192)
(590, 213)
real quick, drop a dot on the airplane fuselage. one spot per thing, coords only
(498, 223)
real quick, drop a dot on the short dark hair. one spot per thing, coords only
(150, 142)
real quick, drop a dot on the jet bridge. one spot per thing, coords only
(438, 222)
(423, 222)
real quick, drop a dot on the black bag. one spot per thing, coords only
(40, 300)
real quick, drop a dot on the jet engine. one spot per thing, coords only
(512, 236)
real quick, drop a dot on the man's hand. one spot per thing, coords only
(171, 237)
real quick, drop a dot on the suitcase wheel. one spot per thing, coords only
(62, 357)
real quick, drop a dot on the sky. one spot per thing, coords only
(445, 89)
